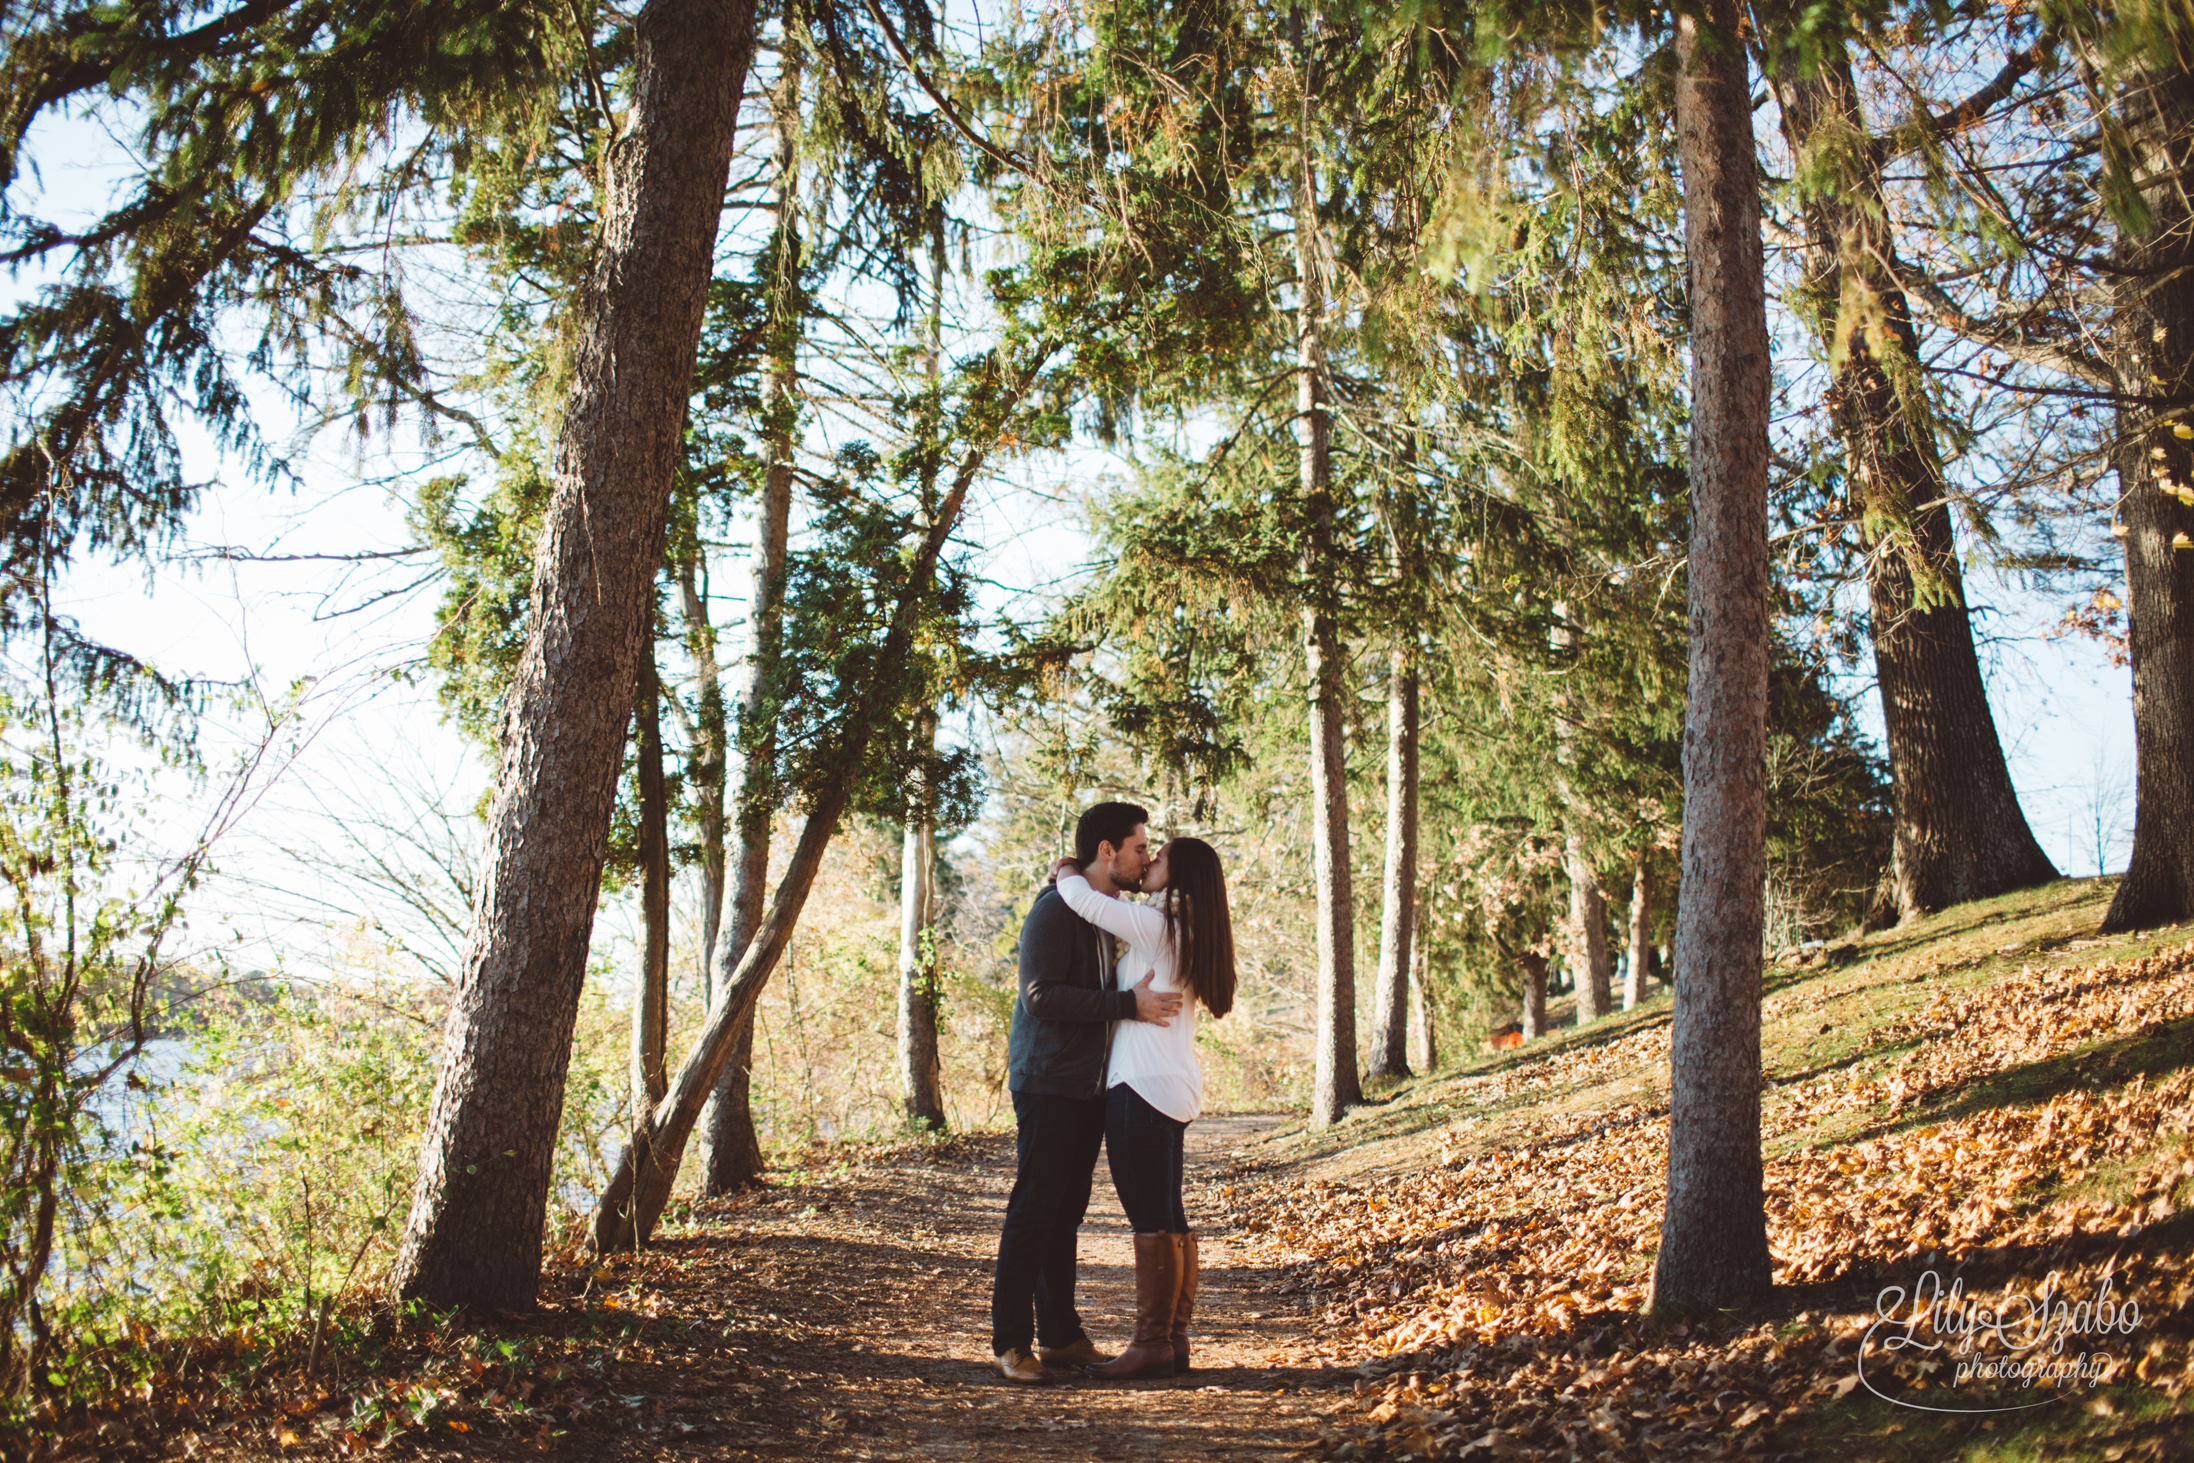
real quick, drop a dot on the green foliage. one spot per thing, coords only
(242, 1182)
(238, 114)
(269, 1169)
(80, 953)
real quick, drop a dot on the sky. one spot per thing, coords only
(369, 761)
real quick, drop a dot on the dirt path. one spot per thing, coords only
(846, 1317)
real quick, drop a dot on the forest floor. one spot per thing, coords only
(1992, 1097)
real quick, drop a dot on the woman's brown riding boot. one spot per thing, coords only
(1184, 1306)
(1157, 1282)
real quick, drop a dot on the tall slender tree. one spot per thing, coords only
(1398, 890)
(731, 1149)
(1714, 1231)
(921, 1085)
(921, 1081)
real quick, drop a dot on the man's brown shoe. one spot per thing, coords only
(1079, 1352)
(1019, 1366)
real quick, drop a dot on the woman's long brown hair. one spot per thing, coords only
(1202, 928)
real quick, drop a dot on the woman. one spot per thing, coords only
(1184, 941)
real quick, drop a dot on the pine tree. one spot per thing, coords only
(1714, 1233)
(474, 1235)
(1960, 833)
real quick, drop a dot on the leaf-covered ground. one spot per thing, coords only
(1999, 1104)
(1457, 1270)
(840, 1313)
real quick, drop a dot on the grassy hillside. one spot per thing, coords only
(1990, 1098)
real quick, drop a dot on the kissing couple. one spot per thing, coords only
(1103, 1054)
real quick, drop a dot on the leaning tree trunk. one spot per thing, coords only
(1334, 1084)
(1714, 1229)
(731, 1150)
(1398, 897)
(473, 1237)
(651, 999)
(1960, 834)
(626, 1212)
(1640, 965)
(2152, 322)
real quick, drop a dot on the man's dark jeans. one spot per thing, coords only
(1056, 1143)
(1144, 1146)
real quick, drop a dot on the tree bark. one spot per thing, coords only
(626, 1213)
(1398, 897)
(1587, 958)
(1426, 1014)
(1335, 1086)
(705, 759)
(1714, 1229)
(920, 1079)
(1587, 928)
(1531, 1012)
(731, 1149)
(1640, 965)
(2152, 324)
(1960, 834)
(473, 1237)
(651, 997)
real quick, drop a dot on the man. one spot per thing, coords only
(1056, 1058)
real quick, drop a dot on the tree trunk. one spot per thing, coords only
(1587, 957)
(1714, 1230)
(651, 997)
(626, 1213)
(1334, 1085)
(1531, 1014)
(920, 1080)
(474, 1233)
(731, 1150)
(1398, 897)
(1426, 1016)
(705, 757)
(2152, 322)
(1587, 929)
(1960, 834)
(1640, 964)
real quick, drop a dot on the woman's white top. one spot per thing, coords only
(1159, 1062)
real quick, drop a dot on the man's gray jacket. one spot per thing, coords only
(1062, 1019)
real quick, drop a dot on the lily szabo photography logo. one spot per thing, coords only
(1938, 1349)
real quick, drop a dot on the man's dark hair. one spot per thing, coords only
(1112, 823)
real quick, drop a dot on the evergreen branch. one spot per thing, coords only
(63, 64)
(2014, 340)
(1937, 127)
(1005, 158)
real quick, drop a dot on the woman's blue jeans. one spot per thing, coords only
(1143, 1148)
